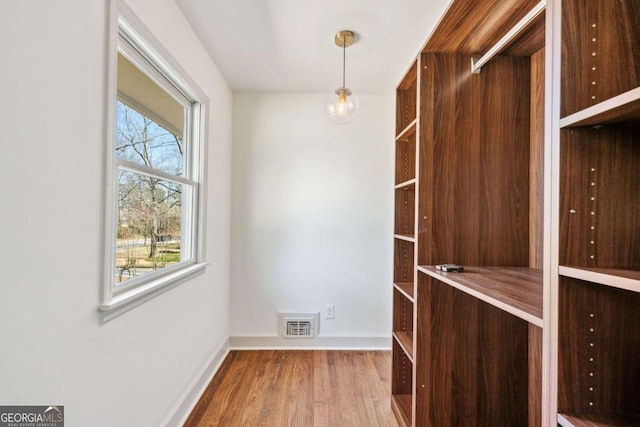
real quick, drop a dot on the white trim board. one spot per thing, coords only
(321, 342)
(181, 410)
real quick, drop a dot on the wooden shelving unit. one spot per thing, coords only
(477, 199)
(404, 246)
(598, 289)
(528, 174)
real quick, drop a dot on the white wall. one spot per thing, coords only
(53, 348)
(311, 219)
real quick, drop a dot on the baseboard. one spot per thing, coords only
(321, 342)
(183, 407)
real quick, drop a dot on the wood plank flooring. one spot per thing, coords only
(301, 388)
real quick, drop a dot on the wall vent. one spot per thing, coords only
(298, 324)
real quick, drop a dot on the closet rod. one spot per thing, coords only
(476, 64)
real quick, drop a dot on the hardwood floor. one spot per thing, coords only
(298, 388)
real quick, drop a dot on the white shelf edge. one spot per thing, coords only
(601, 278)
(564, 422)
(409, 297)
(405, 184)
(406, 351)
(602, 107)
(483, 297)
(407, 129)
(405, 238)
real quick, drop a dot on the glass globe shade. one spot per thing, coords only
(341, 105)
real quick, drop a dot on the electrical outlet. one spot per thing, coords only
(330, 312)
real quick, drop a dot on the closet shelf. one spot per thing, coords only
(617, 278)
(594, 420)
(405, 339)
(516, 290)
(621, 108)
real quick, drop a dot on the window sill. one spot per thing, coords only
(126, 301)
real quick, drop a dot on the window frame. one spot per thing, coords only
(128, 36)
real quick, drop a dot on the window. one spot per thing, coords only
(153, 215)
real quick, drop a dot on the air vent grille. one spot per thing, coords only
(298, 325)
(299, 328)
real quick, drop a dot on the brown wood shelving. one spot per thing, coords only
(490, 150)
(405, 339)
(406, 289)
(401, 405)
(622, 108)
(598, 420)
(516, 290)
(617, 278)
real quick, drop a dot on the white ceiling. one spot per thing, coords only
(287, 45)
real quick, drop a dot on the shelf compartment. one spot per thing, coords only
(403, 322)
(405, 211)
(474, 185)
(601, 52)
(599, 197)
(406, 289)
(475, 350)
(410, 184)
(401, 384)
(622, 279)
(598, 349)
(516, 290)
(403, 261)
(401, 406)
(406, 155)
(406, 99)
(598, 420)
(405, 339)
(622, 108)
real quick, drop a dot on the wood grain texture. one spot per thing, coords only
(600, 195)
(599, 349)
(474, 148)
(402, 313)
(620, 109)
(402, 371)
(514, 289)
(474, 26)
(405, 211)
(530, 41)
(407, 288)
(403, 268)
(401, 406)
(298, 388)
(535, 376)
(478, 359)
(600, 51)
(599, 420)
(406, 157)
(406, 100)
(422, 355)
(536, 162)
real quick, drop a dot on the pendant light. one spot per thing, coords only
(341, 104)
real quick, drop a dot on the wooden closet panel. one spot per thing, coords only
(536, 159)
(600, 188)
(473, 26)
(600, 51)
(599, 365)
(478, 362)
(476, 156)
